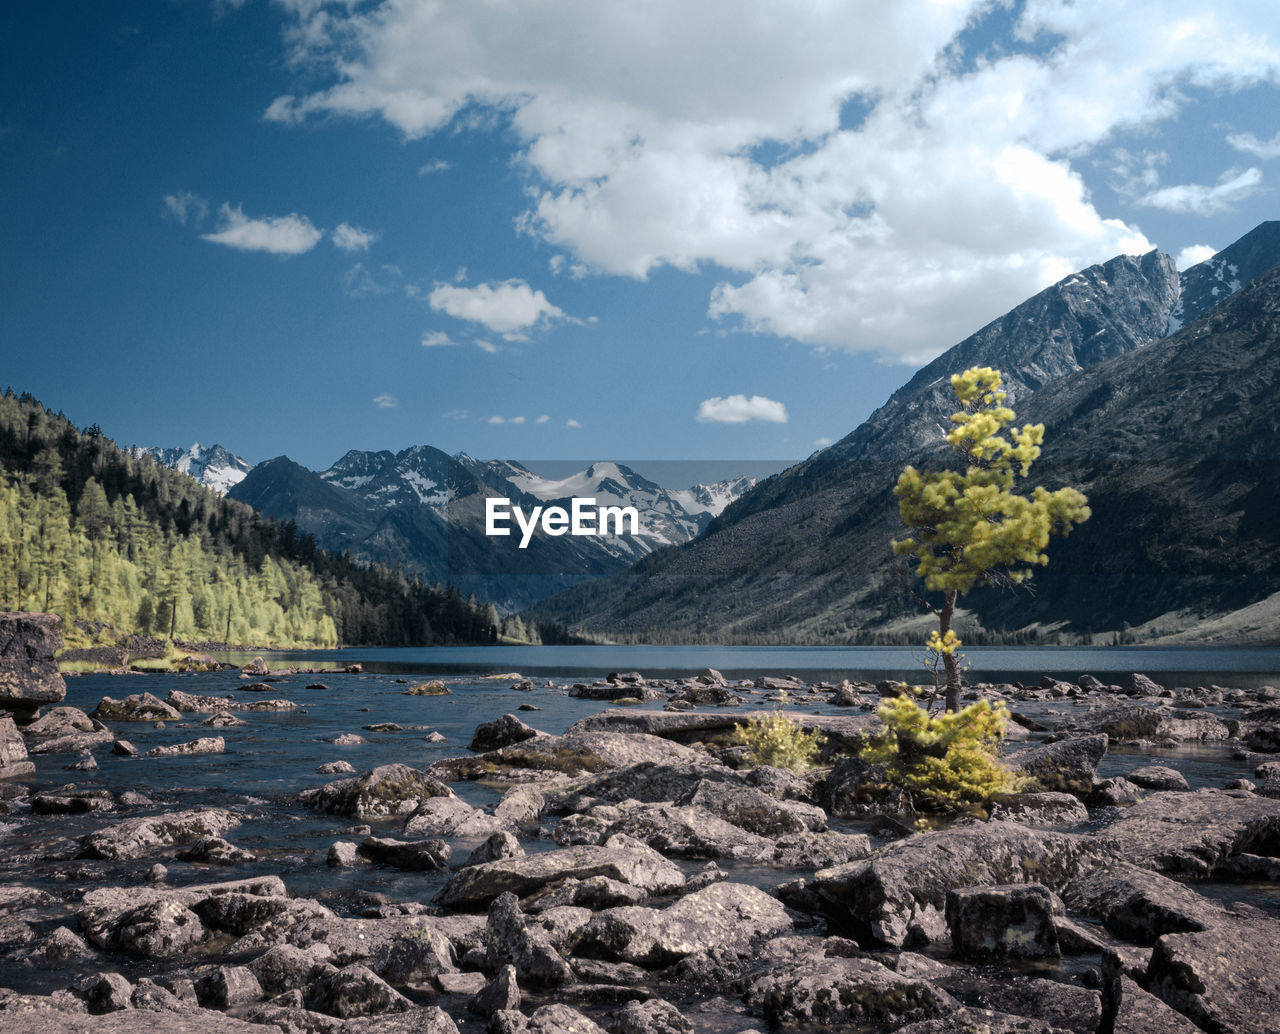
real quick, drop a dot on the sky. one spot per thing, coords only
(723, 230)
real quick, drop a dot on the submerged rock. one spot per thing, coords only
(138, 838)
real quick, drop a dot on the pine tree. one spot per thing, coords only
(970, 527)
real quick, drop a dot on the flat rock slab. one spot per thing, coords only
(724, 915)
(1143, 1013)
(141, 837)
(576, 753)
(899, 894)
(1192, 834)
(1139, 904)
(621, 859)
(685, 832)
(1226, 978)
(129, 1021)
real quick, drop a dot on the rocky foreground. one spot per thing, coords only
(635, 875)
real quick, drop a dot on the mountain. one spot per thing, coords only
(713, 499)
(1218, 277)
(423, 511)
(213, 467)
(804, 556)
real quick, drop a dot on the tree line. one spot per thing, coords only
(101, 536)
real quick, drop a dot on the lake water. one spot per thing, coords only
(1245, 667)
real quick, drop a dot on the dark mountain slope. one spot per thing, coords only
(1169, 441)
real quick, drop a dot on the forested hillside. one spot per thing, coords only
(100, 537)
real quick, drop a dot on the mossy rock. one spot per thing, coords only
(434, 688)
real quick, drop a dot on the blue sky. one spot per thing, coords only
(563, 228)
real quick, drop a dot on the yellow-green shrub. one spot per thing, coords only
(951, 759)
(774, 739)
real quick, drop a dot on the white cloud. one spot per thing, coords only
(386, 401)
(517, 420)
(738, 409)
(1250, 144)
(1194, 255)
(543, 418)
(352, 238)
(487, 346)
(458, 414)
(511, 308)
(690, 135)
(436, 339)
(571, 422)
(184, 205)
(823, 442)
(497, 420)
(291, 234)
(434, 166)
(1197, 199)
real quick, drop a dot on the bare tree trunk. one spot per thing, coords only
(949, 658)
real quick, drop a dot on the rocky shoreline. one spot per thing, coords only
(634, 875)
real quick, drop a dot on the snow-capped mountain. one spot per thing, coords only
(424, 511)
(712, 499)
(214, 467)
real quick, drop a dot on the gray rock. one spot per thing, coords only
(595, 893)
(520, 806)
(414, 855)
(855, 788)
(29, 676)
(500, 993)
(654, 1016)
(216, 851)
(1222, 978)
(60, 721)
(286, 968)
(561, 1019)
(450, 817)
(1002, 922)
(511, 940)
(820, 850)
(1117, 792)
(1039, 810)
(14, 763)
(754, 811)
(107, 992)
(686, 832)
(156, 930)
(621, 859)
(140, 707)
(138, 838)
(1068, 766)
(342, 854)
(1061, 1006)
(898, 894)
(576, 753)
(1140, 1012)
(496, 847)
(501, 732)
(1192, 834)
(72, 802)
(1158, 777)
(724, 915)
(1138, 904)
(336, 768)
(356, 990)
(817, 989)
(387, 790)
(204, 745)
(421, 954)
(226, 986)
(1138, 685)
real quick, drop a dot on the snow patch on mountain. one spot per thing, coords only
(213, 467)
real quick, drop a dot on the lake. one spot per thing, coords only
(1246, 667)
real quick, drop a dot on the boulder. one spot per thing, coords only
(60, 721)
(622, 859)
(1002, 922)
(898, 895)
(501, 732)
(498, 846)
(560, 1019)
(502, 993)
(414, 855)
(225, 987)
(286, 968)
(1068, 766)
(511, 940)
(1138, 904)
(158, 929)
(29, 676)
(754, 811)
(820, 850)
(14, 763)
(724, 915)
(654, 1016)
(520, 806)
(1192, 834)
(216, 851)
(1039, 810)
(1140, 1012)
(808, 986)
(72, 802)
(686, 832)
(204, 745)
(387, 790)
(450, 817)
(355, 990)
(141, 837)
(573, 754)
(139, 707)
(433, 688)
(1138, 685)
(1158, 777)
